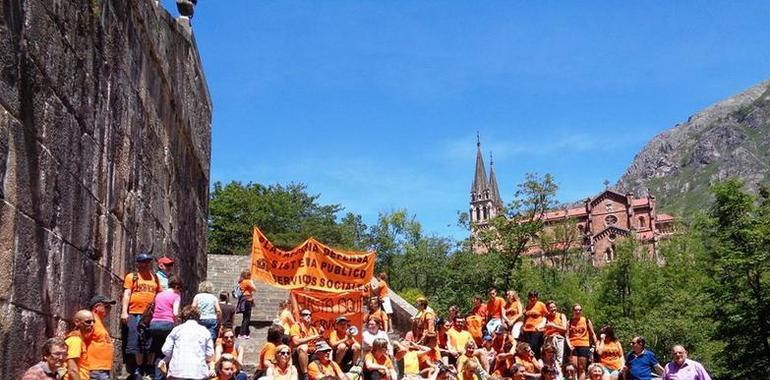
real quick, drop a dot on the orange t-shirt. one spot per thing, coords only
(382, 289)
(578, 332)
(555, 319)
(503, 367)
(611, 355)
(100, 351)
(142, 293)
(475, 326)
(458, 338)
(512, 309)
(317, 370)
(532, 323)
(495, 308)
(302, 333)
(77, 349)
(529, 364)
(383, 316)
(335, 338)
(383, 361)
(247, 288)
(430, 358)
(267, 354)
(480, 310)
(287, 320)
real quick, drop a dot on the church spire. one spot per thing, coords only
(493, 190)
(480, 178)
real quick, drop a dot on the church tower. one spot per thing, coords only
(485, 197)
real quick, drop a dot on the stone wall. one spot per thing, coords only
(105, 124)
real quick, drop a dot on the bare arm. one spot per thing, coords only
(124, 305)
(591, 333)
(72, 369)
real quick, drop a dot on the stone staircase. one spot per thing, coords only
(223, 272)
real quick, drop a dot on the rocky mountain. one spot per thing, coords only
(728, 139)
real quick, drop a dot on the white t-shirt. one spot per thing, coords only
(369, 338)
(207, 305)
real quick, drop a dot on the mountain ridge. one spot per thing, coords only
(730, 138)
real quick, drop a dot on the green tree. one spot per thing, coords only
(286, 214)
(510, 233)
(737, 243)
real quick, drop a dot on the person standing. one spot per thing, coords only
(555, 329)
(610, 352)
(534, 322)
(139, 290)
(101, 352)
(580, 335)
(383, 293)
(512, 308)
(682, 368)
(165, 266)
(163, 318)
(189, 348)
(78, 341)
(640, 362)
(52, 365)
(208, 305)
(228, 311)
(423, 321)
(245, 303)
(495, 310)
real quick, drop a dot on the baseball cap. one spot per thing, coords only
(341, 318)
(165, 260)
(322, 346)
(100, 299)
(143, 256)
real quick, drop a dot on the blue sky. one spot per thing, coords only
(376, 104)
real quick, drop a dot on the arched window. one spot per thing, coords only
(609, 255)
(478, 213)
(486, 213)
(641, 222)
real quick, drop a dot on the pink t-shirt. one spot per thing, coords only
(164, 306)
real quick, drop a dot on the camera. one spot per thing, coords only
(352, 330)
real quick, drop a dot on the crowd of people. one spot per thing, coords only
(160, 338)
(499, 338)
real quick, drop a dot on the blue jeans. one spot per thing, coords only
(210, 324)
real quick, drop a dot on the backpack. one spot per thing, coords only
(237, 292)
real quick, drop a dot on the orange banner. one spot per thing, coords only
(311, 265)
(326, 307)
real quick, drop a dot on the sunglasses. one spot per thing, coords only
(88, 321)
(284, 353)
(305, 315)
(229, 337)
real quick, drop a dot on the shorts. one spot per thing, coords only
(386, 306)
(611, 372)
(98, 375)
(583, 352)
(136, 337)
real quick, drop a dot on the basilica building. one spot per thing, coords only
(600, 222)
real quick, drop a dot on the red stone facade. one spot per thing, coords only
(605, 219)
(600, 222)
